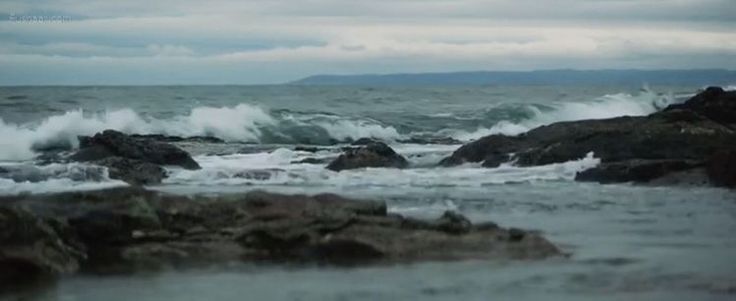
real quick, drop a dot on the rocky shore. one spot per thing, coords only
(685, 144)
(132, 229)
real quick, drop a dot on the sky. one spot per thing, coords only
(263, 42)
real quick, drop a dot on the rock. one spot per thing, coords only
(164, 138)
(365, 141)
(112, 143)
(312, 161)
(431, 140)
(374, 154)
(666, 135)
(635, 170)
(721, 168)
(454, 223)
(632, 149)
(31, 249)
(713, 103)
(134, 172)
(129, 229)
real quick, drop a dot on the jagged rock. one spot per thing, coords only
(722, 168)
(630, 148)
(112, 143)
(134, 172)
(714, 103)
(374, 154)
(128, 229)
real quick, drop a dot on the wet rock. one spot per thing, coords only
(431, 140)
(313, 161)
(454, 223)
(31, 249)
(165, 138)
(640, 171)
(637, 149)
(112, 143)
(721, 168)
(374, 154)
(134, 172)
(128, 229)
(713, 103)
(365, 141)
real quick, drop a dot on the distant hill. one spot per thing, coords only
(542, 77)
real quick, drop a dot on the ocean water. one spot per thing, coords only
(625, 241)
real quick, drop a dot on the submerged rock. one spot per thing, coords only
(630, 148)
(372, 154)
(127, 229)
(111, 143)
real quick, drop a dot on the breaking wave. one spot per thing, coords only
(253, 124)
(241, 123)
(607, 106)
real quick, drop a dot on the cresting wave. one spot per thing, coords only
(241, 123)
(607, 106)
(253, 124)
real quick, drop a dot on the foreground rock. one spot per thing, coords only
(111, 143)
(369, 154)
(128, 229)
(639, 149)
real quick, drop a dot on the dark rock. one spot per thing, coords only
(454, 223)
(636, 170)
(721, 168)
(365, 141)
(431, 140)
(30, 249)
(128, 229)
(714, 103)
(164, 138)
(134, 172)
(112, 143)
(494, 160)
(516, 235)
(376, 154)
(310, 149)
(312, 161)
(690, 131)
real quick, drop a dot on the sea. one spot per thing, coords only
(625, 242)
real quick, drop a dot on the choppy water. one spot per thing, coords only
(626, 242)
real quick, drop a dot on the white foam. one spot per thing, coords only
(608, 106)
(56, 177)
(223, 170)
(9, 187)
(241, 123)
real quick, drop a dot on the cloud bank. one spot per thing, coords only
(253, 42)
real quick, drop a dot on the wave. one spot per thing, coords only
(607, 106)
(253, 124)
(241, 123)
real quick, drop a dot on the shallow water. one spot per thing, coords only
(625, 241)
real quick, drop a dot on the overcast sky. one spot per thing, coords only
(253, 42)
